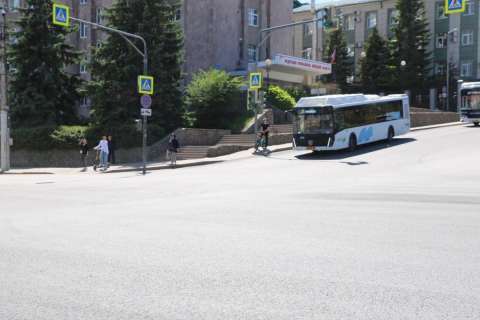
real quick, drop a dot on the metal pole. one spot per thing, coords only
(4, 132)
(144, 139)
(315, 31)
(144, 54)
(448, 69)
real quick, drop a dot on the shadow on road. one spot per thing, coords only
(344, 154)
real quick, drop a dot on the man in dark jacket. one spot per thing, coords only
(111, 149)
(173, 146)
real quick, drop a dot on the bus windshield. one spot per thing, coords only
(313, 121)
(471, 99)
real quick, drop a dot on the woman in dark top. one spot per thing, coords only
(84, 148)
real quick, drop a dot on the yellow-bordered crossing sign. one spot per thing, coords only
(145, 85)
(255, 80)
(61, 15)
(455, 6)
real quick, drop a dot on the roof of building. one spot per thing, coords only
(345, 100)
(331, 3)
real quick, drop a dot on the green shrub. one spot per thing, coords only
(279, 98)
(68, 137)
(214, 99)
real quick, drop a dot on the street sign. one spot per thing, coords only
(61, 15)
(146, 101)
(145, 85)
(255, 80)
(146, 112)
(455, 6)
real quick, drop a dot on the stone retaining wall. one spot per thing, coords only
(71, 158)
(421, 119)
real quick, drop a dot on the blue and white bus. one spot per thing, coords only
(470, 103)
(335, 122)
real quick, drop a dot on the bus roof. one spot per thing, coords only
(346, 100)
(470, 85)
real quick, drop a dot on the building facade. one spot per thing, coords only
(218, 34)
(453, 37)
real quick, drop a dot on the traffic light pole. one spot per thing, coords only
(260, 43)
(144, 54)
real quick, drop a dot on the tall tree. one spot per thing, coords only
(412, 39)
(341, 64)
(42, 92)
(116, 65)
(375, 71)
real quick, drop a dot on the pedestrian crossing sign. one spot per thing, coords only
(61, 15)
(255, 80)
(145, 85)
(455, 6)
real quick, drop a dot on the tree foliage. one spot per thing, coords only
(42, 91)
(375, 70)
(411, 42)
(342, 68)
(279, 98)
(116, 65)
(212, 97)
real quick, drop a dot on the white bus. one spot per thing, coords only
(335, 122)
(470, 103)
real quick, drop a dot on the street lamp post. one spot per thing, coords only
(4, 132)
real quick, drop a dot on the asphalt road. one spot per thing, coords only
(385, 233)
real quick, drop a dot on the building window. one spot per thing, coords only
(253, 17)
(440, 69)
(350, 22)
(84, 102)
(469, 8)
(351, 51)
(252, 53)
(99, 15)
(178, 15)
(441, 11)
(83, 1)
(466, 69)
(14, 5)
(467, 38)
(392, 17)
(441, 40)
(307, 54)
(83, 67)
(371, 20)
(83, 30)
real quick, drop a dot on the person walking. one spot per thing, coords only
(102, 147)
(111, 150)
(173, 146)
(265, 132)
(84, 148)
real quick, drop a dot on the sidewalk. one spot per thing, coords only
(151, 166)
(164, 165)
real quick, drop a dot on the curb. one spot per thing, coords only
(26, 173)
(437, 126)
(166, 167)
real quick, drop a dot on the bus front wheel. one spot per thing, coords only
(391, 134)
(476, 124)
(352, 144)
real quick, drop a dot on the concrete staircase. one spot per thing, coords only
(192, 152)
(281, 128)
(238, 139)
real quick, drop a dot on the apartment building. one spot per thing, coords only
(359, 17)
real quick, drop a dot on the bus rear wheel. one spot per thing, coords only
(352, 143)
(391, 134)
(476, 124)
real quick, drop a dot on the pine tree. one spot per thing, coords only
(342, 66)
(412, 39)
(116, 65)
(42, 92)
(375, 72)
